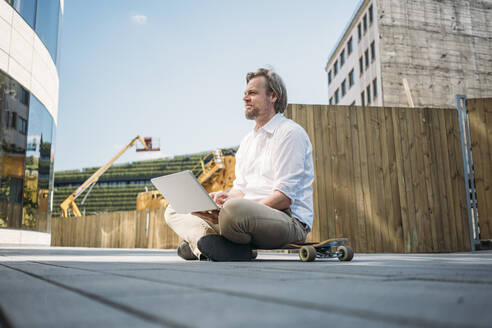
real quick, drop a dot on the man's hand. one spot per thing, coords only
(220, 197)
(211, 217)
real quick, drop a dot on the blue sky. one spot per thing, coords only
(175, 70)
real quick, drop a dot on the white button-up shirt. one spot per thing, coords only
(278, 157)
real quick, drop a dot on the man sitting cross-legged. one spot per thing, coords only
(271, 201)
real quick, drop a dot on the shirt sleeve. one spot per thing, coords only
(289, 161)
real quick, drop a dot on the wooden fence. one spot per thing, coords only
(480, 121)
(390, 179)
(131, 229)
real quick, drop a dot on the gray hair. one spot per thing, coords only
(273, 84)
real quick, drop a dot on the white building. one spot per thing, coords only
(440, 47)
(29, 84)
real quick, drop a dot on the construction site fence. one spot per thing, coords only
(129, 229)
(389, 179)
(480, 122)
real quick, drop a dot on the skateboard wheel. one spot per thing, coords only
(307, 253)
(254, 254)
(346, 253)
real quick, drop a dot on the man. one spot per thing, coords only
(271, 202)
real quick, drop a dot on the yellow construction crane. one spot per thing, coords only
(92, 180)
(214, 171)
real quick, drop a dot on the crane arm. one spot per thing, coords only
(70, 201)
(95, 177)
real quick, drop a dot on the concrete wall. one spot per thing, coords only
(442, 48)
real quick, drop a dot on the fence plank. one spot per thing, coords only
(449, 238)
(382, 222)
(66, 232)
(73, 232)
(457, 181)
(161, 240)
(359, 240)
(459, 188)
(78, 231)
(400, 174)
(316, 184)
(395, 179)
(440, 195)
(342, 197)
(335, 173)
(327, 225)
(318, 201)
(363, 150)
(374, 230)
(127, 234)
(151, 230)
(322, 219)
(394, 242)
(430, 182)
(85, 233)
(99, 228)
(54, 236)
(352, 210)
(412, 234)
(486, 167)
(418, 176)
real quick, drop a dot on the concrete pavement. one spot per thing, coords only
(80, 287)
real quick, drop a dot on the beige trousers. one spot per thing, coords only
(241, 221)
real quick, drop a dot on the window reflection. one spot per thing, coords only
(12, 151)
(47, 22)
(27, 9)
(26, 159)
(38, 168)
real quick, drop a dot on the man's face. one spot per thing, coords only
(257, 102)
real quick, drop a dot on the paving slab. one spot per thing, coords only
(27, 301)
(61, 287)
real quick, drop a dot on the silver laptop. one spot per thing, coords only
(185, 194)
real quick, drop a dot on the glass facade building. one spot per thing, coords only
(27, 129)
(44, 16)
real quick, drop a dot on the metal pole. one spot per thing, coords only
(471, 200)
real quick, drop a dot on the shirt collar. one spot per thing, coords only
(273, 124)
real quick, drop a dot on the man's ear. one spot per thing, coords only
(273, 97)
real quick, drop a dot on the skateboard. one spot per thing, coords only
(308, 252)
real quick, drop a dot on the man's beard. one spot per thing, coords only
(251, 113)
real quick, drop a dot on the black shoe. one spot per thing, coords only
(184, 251)
(218, 248)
